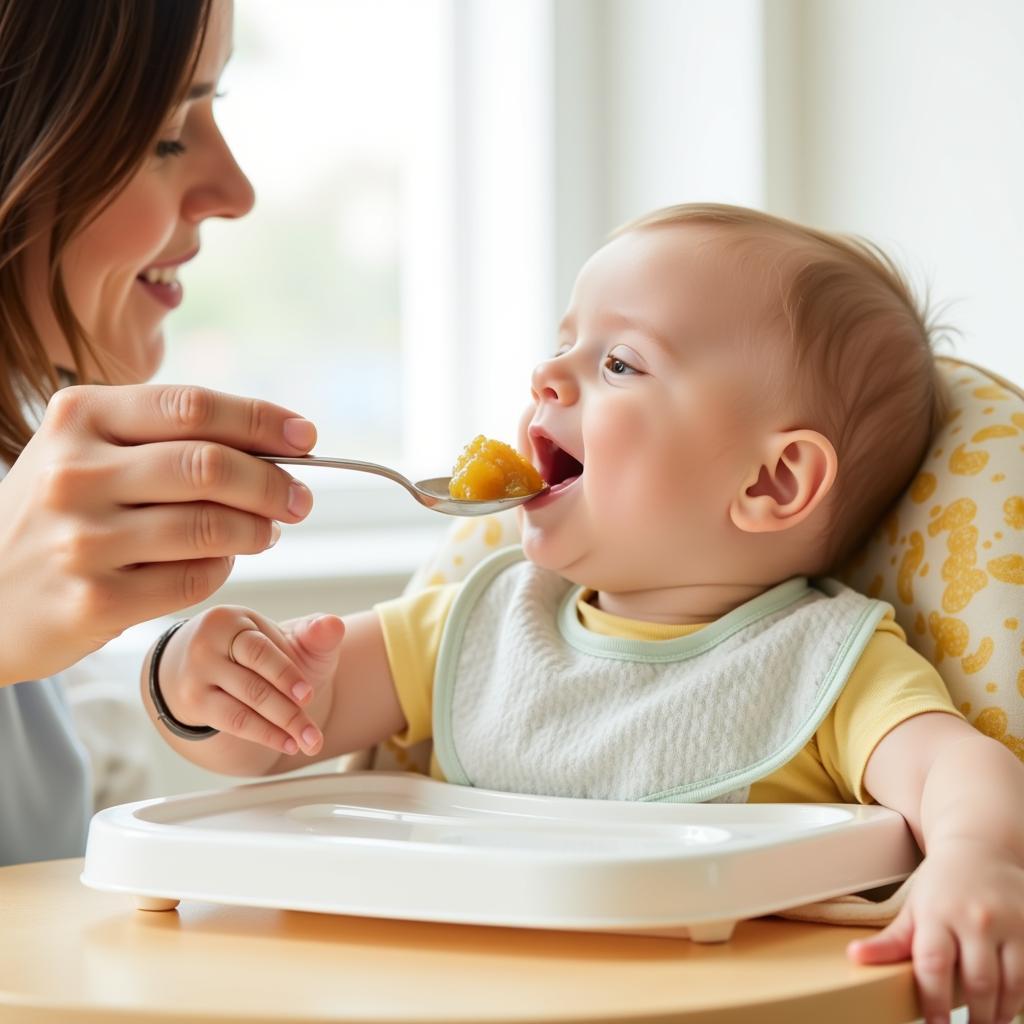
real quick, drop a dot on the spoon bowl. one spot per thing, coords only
(432, 493)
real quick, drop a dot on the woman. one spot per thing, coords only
(128, 502)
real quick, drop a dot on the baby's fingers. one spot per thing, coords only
(317, 637)
(979, 966)
(1011, 996)
(255, 651)
(891, 944)
(235, 718)
(935, 953)
(260, 713)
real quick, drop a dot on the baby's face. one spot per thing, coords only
(646, 420)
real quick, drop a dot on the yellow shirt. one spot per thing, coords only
(889, 684)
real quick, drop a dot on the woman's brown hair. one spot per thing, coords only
(85, 87)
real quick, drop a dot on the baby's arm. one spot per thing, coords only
(962, 795)
(232, 668)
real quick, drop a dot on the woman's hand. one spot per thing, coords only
(963, 922)
(130, 503)
(269, 685)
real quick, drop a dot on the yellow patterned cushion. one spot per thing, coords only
(949, 558)
(467, 543)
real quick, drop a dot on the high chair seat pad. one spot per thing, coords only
(949, 557)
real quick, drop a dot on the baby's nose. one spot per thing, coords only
(552, 381)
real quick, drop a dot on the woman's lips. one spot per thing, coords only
(169, 295)
(161, 282)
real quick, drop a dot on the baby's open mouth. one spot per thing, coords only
(556, 465)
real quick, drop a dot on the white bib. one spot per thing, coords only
(527, 700)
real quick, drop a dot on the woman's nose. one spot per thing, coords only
(221, 189)
(553, 380)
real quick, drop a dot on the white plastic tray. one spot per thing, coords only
(398, 845)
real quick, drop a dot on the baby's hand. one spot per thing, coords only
(232, 668)
(964, 918)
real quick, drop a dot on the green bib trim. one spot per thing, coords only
(573, 633)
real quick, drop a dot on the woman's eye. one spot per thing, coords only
(618, 366)
(170, 147)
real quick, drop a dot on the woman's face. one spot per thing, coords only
(121, 270)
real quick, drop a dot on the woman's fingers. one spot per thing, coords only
(142, 413)
(95, 572)
(159, 589)
(180, 471)
(175, 533)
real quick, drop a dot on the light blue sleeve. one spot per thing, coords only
(45, 785)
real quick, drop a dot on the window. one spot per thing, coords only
(391, 282)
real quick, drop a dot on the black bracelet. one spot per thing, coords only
(163, 712)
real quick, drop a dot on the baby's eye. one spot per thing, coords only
(618, 366)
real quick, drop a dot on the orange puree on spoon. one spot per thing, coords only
(489, 469)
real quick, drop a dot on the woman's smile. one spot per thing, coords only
(121, 268)
(160, 281)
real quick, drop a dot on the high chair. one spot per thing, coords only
(949, 558)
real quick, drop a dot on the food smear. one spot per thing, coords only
(488, 469)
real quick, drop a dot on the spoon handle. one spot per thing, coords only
(361, 467)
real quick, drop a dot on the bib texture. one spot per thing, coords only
(527, 700)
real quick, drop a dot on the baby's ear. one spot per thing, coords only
(795, 474)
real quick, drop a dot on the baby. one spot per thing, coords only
(733, 402)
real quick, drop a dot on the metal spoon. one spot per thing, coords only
(432, 493)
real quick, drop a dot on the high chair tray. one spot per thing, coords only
(398, 845)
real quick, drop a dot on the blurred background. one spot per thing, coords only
(431, 174)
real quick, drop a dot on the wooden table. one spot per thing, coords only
(70, 955)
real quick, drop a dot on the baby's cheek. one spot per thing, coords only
(667, 488)
(615, 445)
(630, 467)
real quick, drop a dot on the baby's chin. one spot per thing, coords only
(571, 564)
(595, 569)
(545, 551)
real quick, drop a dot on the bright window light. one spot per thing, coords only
(301, 301)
